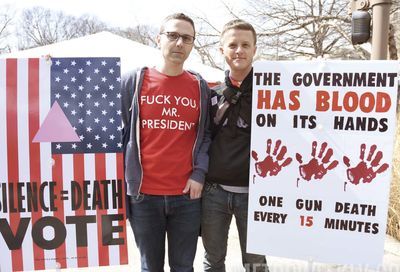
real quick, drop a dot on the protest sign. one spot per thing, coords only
(321, 156)
(62, 200)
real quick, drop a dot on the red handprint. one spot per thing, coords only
(271, 164)
(317, 165)
(365, 169)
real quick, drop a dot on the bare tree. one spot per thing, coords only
(5, 31)
(309, 29)
(88, 24)
(294, 29)
(289, 29)
(207, 43)
(144, 34)
(40, 26)
(394, 31)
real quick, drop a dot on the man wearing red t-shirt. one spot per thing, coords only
(166, 139)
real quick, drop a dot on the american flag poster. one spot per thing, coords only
(62, 199)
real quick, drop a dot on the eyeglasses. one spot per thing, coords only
(174, 36)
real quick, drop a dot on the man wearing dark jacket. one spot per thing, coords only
(226, 190)
(166, 139)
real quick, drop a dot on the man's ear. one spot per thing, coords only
(158, 40)
(221, 49)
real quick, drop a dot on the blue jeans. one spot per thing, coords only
(154, 217)
(217, 210)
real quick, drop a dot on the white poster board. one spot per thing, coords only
(321, 156)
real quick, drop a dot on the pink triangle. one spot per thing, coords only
(56, 127)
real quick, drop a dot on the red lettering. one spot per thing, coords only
(263, 99)
(279, 101)
(367, 102)
(322, 101)
(351, 101)
(383, 102)
(294, 98)
(269, 100)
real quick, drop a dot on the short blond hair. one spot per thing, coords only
(239, 24)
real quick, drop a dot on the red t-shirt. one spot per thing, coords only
(169, 116)
(235, 82)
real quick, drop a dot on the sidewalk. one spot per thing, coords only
(391, 261)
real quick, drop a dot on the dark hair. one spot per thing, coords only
(177, 16)
(239, 24)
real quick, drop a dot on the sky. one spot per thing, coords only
(124, 13)
(129, 13)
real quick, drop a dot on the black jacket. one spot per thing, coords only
(231, 126)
